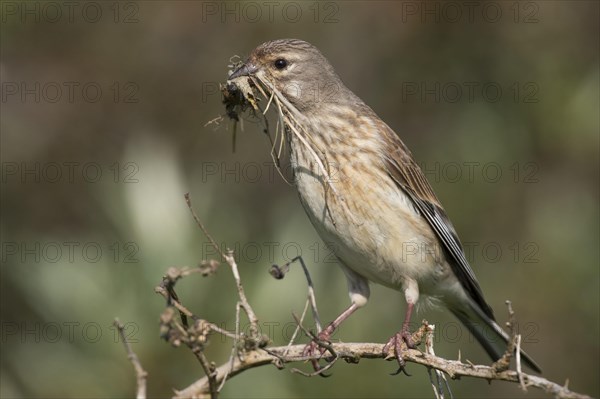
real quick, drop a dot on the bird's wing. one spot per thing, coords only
(409, 177)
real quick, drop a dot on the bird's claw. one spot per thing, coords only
(400, 341)
(312, 348)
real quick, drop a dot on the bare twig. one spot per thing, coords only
(140, 373)
(279, 273)
(187, 312)
(234, 345)
(438, 389)
(194, 336)
(188, 200)
(504, 362)
(311, 292)
(229, 258)
(519, 370)
(297, 329)
(209, 371)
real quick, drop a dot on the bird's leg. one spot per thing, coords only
(405, 332)
(401, 336)
(325, 335)
(411, 293)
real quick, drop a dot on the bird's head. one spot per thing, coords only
(295, 68)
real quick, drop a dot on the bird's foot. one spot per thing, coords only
(399, 342)
(319, 345)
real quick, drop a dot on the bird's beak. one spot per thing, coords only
(245, 70)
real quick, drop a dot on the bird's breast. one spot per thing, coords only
(370, 224)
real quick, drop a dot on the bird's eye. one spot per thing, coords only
(280, 63)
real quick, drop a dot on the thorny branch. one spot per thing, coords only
(352, 351)
(250, 351)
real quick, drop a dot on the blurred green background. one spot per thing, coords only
(103, 116)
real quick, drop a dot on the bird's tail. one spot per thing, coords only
(489, 334)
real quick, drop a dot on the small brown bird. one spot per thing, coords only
(363, 192)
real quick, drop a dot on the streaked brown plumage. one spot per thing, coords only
(363, 192)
